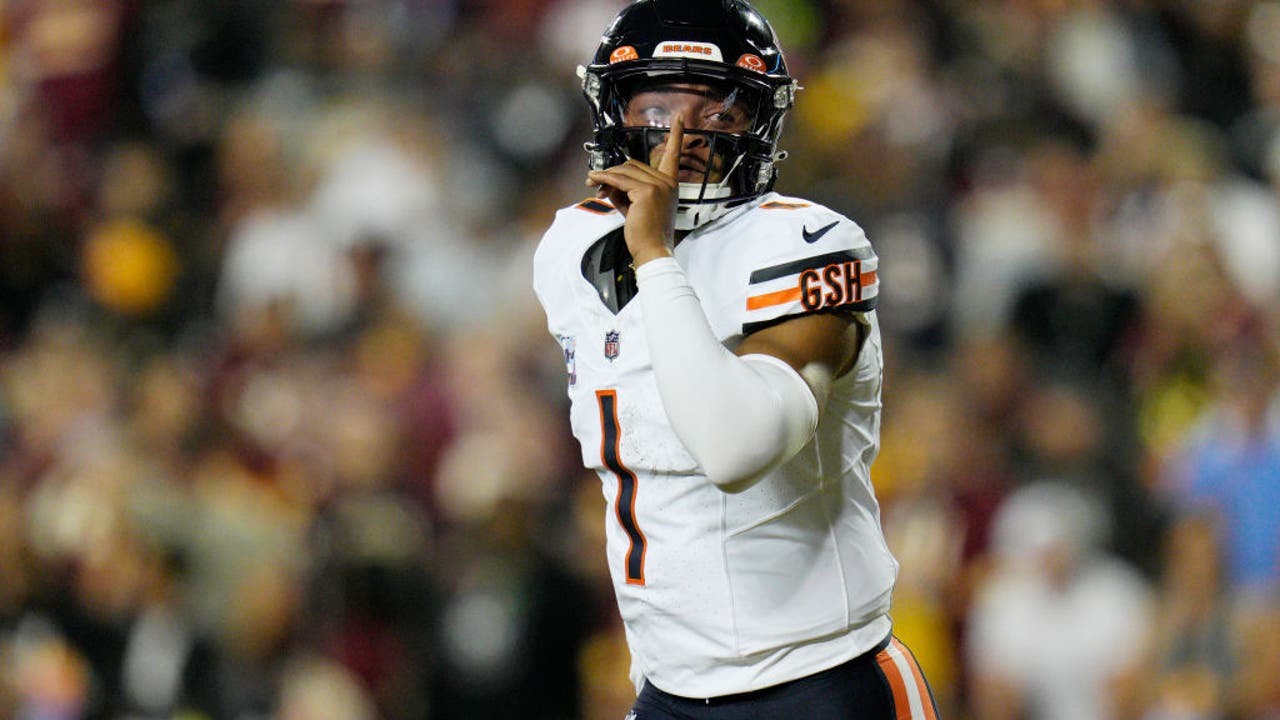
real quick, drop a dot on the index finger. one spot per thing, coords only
(670, 162)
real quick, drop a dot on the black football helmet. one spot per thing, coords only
(723, 43)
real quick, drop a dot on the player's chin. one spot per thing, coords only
(687, 175)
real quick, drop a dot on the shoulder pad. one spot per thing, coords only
(810, 260)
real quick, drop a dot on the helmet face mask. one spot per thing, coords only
(720, 49)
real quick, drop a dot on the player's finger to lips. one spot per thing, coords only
(670, 162)
(644, 170)
(630, 168)
(640, 173)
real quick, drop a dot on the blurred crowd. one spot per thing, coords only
(282, 434)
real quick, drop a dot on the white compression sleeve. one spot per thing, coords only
(738, 416)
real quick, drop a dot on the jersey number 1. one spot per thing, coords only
(625, 504)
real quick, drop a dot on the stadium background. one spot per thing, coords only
(281, 433)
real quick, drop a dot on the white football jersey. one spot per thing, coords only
(726, 593)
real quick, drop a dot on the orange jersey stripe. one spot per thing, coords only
(757, 302)
(867, 278)
(779, 205)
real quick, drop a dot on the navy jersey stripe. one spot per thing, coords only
(596, 206)
(850, 309)
(625, 506)
(810, 263)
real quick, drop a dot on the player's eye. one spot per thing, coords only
(726, 118)
(655, 115)
(726, 114)
(648, 109)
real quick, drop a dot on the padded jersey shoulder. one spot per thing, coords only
(580, 223)
(572, 231)
(797, 257)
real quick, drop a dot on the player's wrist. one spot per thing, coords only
(658, 266)
(644, 256)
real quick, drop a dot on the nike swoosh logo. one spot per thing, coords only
(812, 237)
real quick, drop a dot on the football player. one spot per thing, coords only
(724, 369)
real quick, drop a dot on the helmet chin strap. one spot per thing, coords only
(698, 211)
(698, 205)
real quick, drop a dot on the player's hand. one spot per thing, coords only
(647, 196)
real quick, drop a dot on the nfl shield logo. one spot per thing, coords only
(611, 344)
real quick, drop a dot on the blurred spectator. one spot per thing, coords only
(1172, 361)
(49, 677)
(511, 625)
(931, 518)
(259, 639)
(166, 661)
(1074, 321)
(1230, 466)
(1194, 652)
(1004, 234)
(318, 689)
(1101, 56)
(1057, 628)
(1256, 694)
(1207, 38)
(279, 258)
(71, 62)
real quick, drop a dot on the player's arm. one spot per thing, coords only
(739, 414)
(823, 343)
